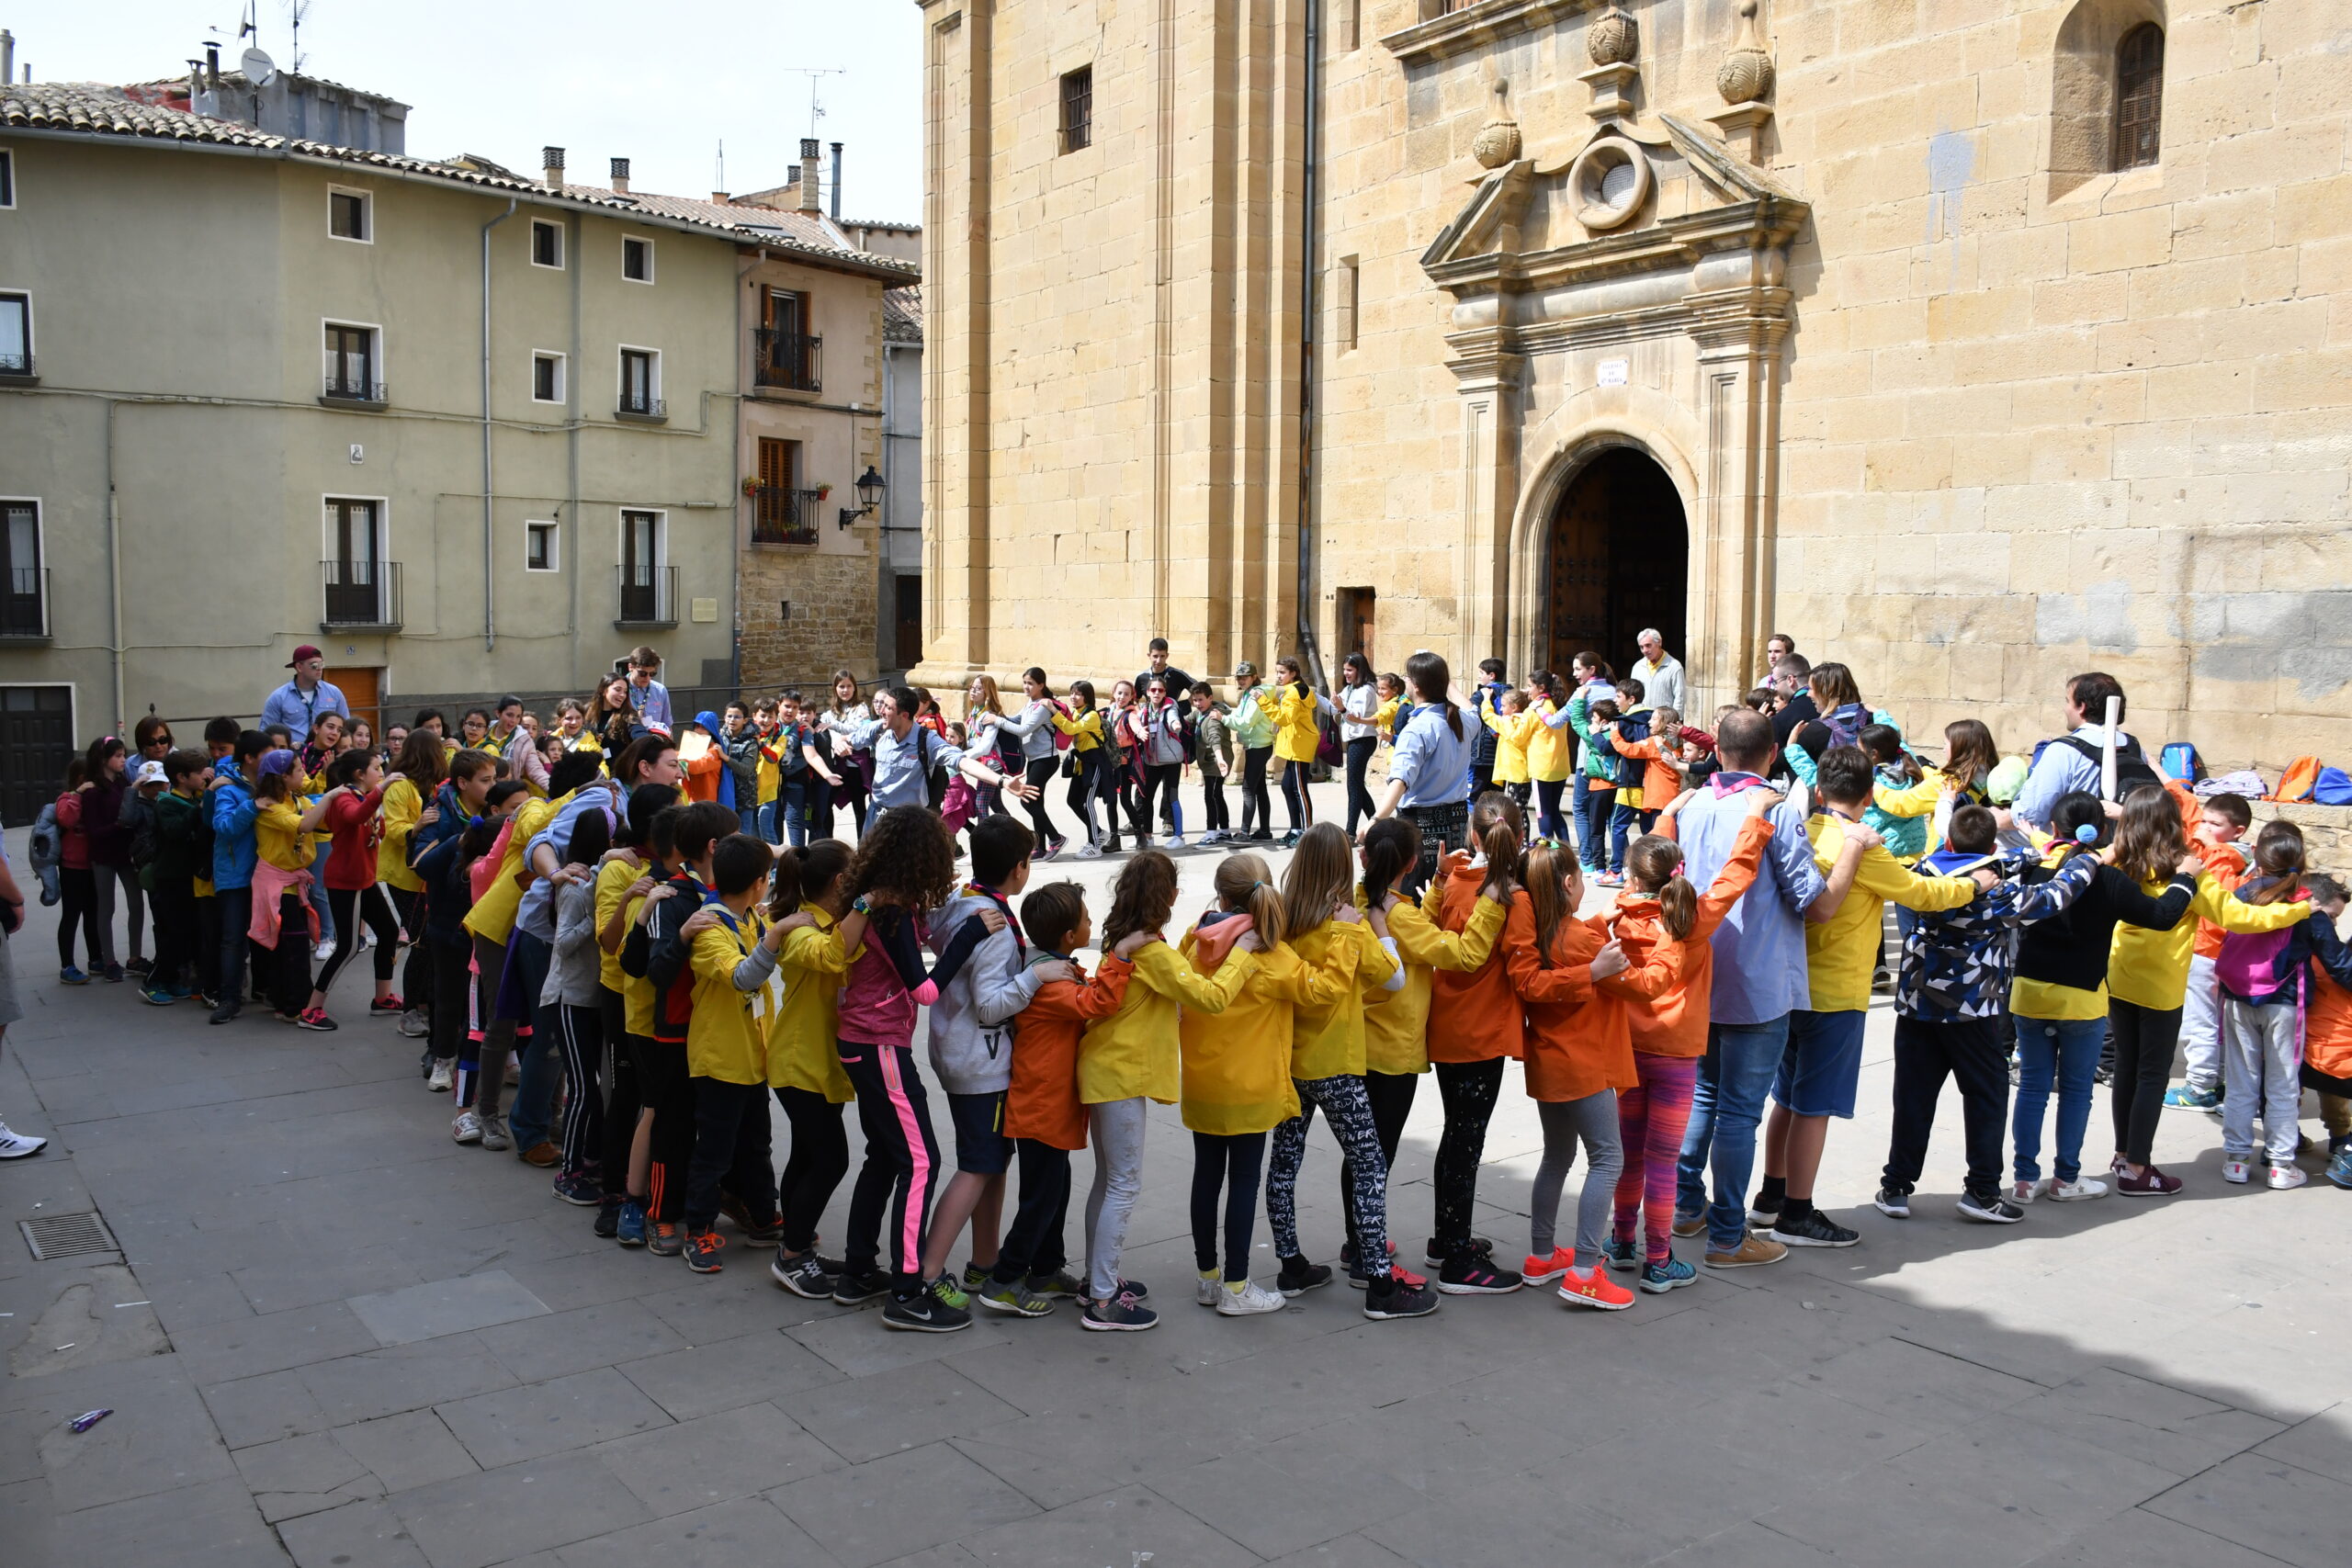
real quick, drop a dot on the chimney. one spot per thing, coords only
(7, 57)
(809, 202)
(212, 66)
(718, 198)
(620, 176)
(551, 160)
(837, 182)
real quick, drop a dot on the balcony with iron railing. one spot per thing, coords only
(649, 596)
(349, 381)
(361, 596)
(785, 361)
(783, 516)
(640, 406)
(23, 605)
(16, 364)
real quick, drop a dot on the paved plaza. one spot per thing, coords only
(334, 1338)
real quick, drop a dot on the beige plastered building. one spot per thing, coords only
(1974, 342)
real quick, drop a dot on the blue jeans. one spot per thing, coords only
(1593, 823)
(1547, 809)
(1624, 824)
(532, 1116)
(1726, 1107)
(319, 895)
(792, 810)
(2068, 1050)
(764, 823)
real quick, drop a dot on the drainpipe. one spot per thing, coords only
(489, 579)
(113, 575)
(1308, 293)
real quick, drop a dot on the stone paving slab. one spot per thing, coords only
(356, 1343)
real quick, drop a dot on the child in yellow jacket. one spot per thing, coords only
(804, 1063)
(727, 1050)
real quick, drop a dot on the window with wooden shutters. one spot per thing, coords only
(2139, 96)
(782, 512)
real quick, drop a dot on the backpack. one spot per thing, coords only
(2298, 781)
(1846, 723)
(2131, 770)
(138, 821)
(1063, 738)
(44, 851)
(2179, 760)
(1328, 750)
(2333, 787)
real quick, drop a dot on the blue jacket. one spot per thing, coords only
(234, 848)
(709, 721)
(1958, 962)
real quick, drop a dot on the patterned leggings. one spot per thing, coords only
(1349, 1111)
(1650, 1123)
(1468, 1089)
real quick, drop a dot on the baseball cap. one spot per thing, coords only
(148, 773)
(2007, 778)
(303, 652)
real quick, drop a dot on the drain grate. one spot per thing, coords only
(67, 1235)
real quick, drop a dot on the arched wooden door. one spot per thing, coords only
(1620, 561)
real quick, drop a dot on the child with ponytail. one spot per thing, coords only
(1660, 912)
(1238, 1083)
(1327, 930)
(1397, 1021)
(2263, 979)
(1476, 1022)
(1573, 976)
(1131, 1056)
(812, 937)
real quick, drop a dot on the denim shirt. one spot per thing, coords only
(1432, 761)
(1760, 969)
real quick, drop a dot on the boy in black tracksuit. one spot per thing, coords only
(654, 952)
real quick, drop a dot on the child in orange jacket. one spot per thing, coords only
(1576, 984)
(2327, 1026)
(1660, 912)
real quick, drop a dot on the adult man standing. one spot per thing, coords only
(648, 697)
(1760, 978)
(904, 754)
(1790, 678)
(2070, 762)
(1660, 673)
(1179, 684)
(297, 703)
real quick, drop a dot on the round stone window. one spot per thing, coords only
(1608, 182)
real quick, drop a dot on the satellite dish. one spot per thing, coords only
(259, 68)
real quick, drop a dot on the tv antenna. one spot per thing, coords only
(295, 11)
(816, 108)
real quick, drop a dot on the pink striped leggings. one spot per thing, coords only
(1650, 1121)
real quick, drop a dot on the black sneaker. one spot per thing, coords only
(924, 1313)
(1433, 1250)
(1763, 1214)
(1124, 1313)
(1398, 1294)
(1894, 1201)
(1299, 1276)
(856, 1287)
(608, 1218)
(1060, 1283)
(1351, 1260)
(702, 1252)
(803, 1276)
(1813, 1228)
(1993, 1210)
(1474, 1276)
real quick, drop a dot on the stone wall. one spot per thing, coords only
(2328, 832)
(831, 624)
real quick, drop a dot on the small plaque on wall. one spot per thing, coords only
(1612, 373)
(705, 610)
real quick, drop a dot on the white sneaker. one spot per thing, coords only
(17, 1145)
(326, 952)
(367, 937)
(2235, 1170)
(1249, 1301)
(467, 1128)
(2072, 1191)
(1205, 1291)
(439, 1082)
(2023, 1192)
(1175, 841)
(1088, 851)
(2286, 1178)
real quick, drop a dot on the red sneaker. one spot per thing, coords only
(1595, 1290)
(1544, 1270)
(388, 1004)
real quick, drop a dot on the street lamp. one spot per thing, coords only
(869, 496)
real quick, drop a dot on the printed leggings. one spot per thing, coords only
(1592, 1120)
(1651, 1120)
(1227, 1164)
(1469, 1089)
(1348, 1109)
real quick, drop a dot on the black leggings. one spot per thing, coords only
(1230, 1163)
(819, 1159)
(1257, 808)
(1294, 796)
(416, 977)
(451, 978)
(351, 906)
(1360, 753)
(1392, 1104)
(1158, 780)
(894, 1187)
(624, 1100)
(289, 965)
(850, 791)
(80, 889)
(2145, 1041)
(1040, 772)
(1468, 1089)
(1033, 1242)
(1214, 815)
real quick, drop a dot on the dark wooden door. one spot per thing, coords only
(36, 742)
(910, 621)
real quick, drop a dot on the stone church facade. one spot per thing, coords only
(1971, 341)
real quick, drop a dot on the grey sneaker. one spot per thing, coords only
(494, 1135)
(414, 1023)
(1014, 1300)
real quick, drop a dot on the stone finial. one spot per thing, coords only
(1609, 39)
(1498, 142)
(1747, 73)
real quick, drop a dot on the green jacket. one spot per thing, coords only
(1599, 764)
(1252, 727)
(183, 849)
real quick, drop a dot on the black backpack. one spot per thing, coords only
(2131, 770)
(138, 822)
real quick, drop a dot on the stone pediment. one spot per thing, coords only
(1624, 199)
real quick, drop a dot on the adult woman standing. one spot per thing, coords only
(1358, 701)
(110, 851)
(1253, 731)
(1429, 771)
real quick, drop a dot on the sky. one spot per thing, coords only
(662, 87)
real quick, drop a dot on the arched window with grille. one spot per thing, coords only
(2139, 96)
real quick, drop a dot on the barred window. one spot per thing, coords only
(1078, 109)
(2139, 96)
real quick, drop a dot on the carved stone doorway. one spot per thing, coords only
(1620, 560)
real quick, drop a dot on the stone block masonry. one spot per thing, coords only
(830, 625)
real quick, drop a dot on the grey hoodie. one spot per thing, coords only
(971, 1023)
